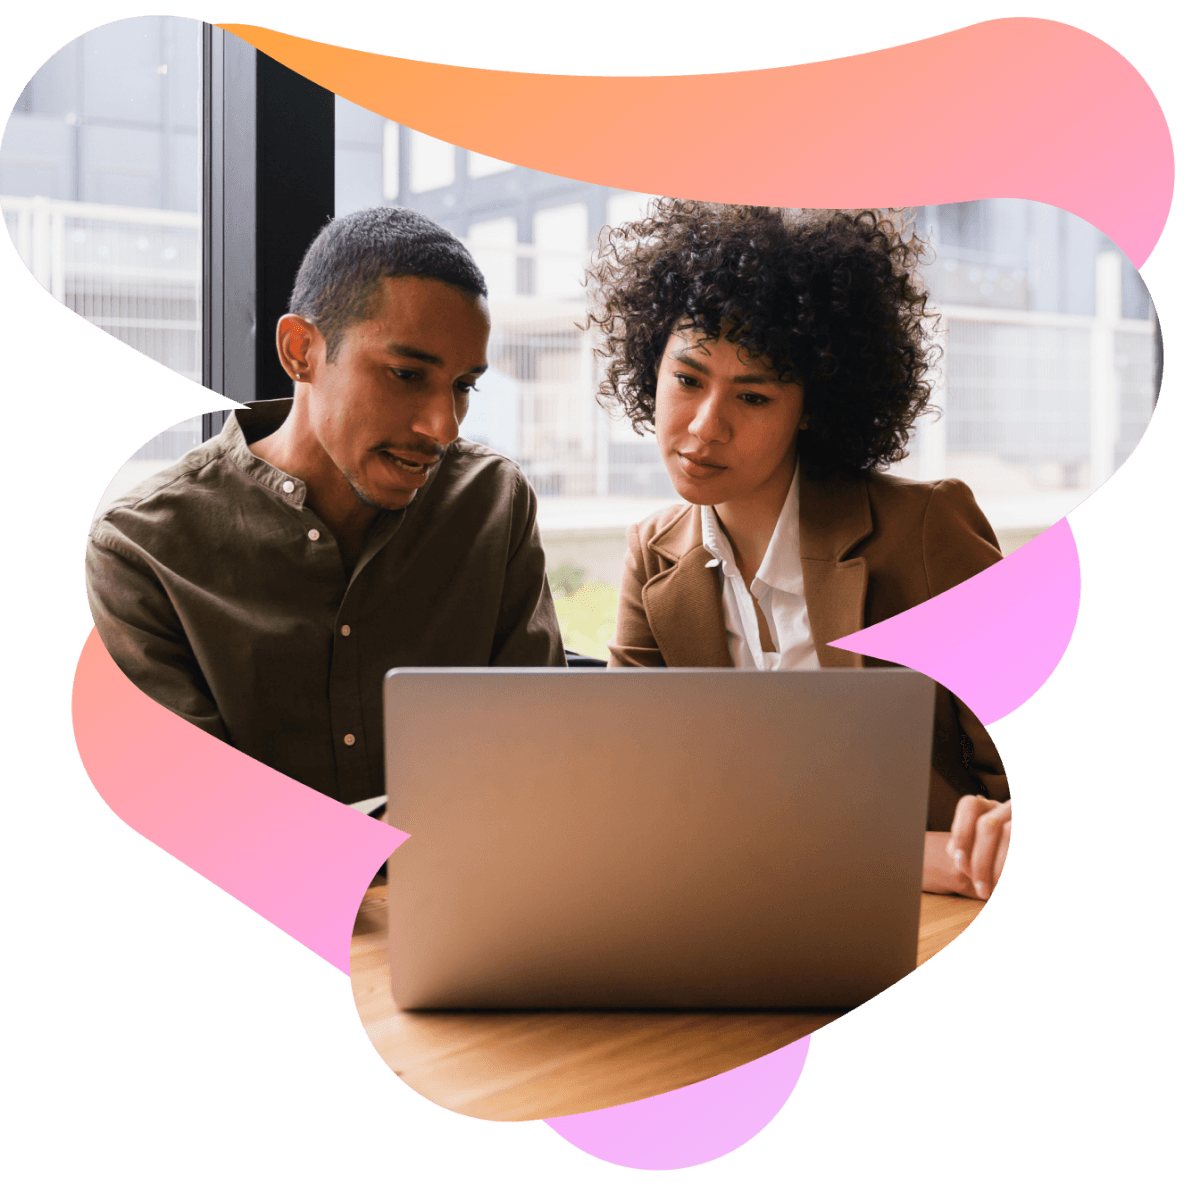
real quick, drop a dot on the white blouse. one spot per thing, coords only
(779, 590)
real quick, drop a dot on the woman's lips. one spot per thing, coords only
(698, 467)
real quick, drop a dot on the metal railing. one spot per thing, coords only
(135, 273)
(1055, 401)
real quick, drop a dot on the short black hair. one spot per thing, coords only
(341, 270)
(832, 298)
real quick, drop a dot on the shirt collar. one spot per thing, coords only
(781, 567)
(253, 421)
(716, 542)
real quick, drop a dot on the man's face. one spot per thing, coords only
(393, 399)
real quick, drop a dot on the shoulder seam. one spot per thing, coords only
(115, 544)
(925, 538)
(121, 503)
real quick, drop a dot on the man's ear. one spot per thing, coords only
(295, 342)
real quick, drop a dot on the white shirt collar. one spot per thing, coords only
(781, 567)
(716, 541)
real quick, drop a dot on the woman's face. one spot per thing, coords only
(727, 428)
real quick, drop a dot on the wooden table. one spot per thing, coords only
(531, 1064)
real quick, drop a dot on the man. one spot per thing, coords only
(263, 585)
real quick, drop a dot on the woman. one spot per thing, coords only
(780, 359)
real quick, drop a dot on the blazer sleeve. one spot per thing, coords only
(956, 538)
(634, 644)
(957, 543)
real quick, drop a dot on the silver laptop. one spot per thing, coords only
(654, 838)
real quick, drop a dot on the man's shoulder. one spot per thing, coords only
(470, 456)
(469, 468)
(164, 499)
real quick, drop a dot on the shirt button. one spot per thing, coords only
(349, 738)
(288, 486)
(314, 534)
(344, 630)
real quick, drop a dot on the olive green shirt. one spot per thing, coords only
(221, 595)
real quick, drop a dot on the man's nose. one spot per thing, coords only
(437, 418)
(710, 423)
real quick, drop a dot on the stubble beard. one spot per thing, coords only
(359, 489)
(360, 492)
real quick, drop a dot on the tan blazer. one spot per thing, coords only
(871, 547)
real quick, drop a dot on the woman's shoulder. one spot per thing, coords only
(891, 499)
(954, 535)
(890, 487)
(902, 499)
(670, 528)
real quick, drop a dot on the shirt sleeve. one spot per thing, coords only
(634, 643)
(528, 629)
(138, 624)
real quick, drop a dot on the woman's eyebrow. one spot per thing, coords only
(685, 358)
(747, 379)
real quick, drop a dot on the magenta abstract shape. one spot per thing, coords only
(996, 638)
(296, 857)
(694, 1124)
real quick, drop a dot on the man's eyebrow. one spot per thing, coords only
(396, 349)
(409, 351)
(685, 358)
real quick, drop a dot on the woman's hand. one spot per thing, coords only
(967, 860)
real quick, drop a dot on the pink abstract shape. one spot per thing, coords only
(296, 857)
(995, 639)
(694, 1124)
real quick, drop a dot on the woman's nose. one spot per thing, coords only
(709, 423)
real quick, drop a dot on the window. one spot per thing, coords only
(561, 236)
(360, 157)
(486, 166)
(390, 161)
(100, 182)
(627, 207)
(433, 163)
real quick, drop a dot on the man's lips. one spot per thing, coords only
(414, 464)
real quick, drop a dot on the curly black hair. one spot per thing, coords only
(831, 298)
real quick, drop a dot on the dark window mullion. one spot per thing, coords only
(267, 189)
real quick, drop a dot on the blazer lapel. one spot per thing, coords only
(836, 515)
(683, 603)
